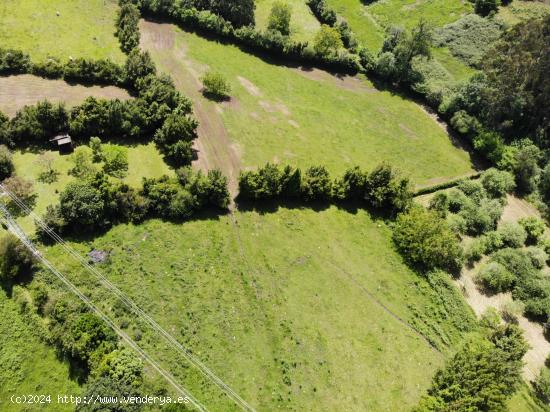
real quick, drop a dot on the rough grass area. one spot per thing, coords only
(469, 38)
(24, 90)
(294, 309)
(143, 161)
(303, 24)
(369, 20)
(84, 28)
(278, 114)
(525, 401)
(408, 13)
(519, 11)
(29, 366)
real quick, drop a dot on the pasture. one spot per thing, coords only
(285, 316)
(143, 161)
(303, 24)
(302, 116)
(24, 90)
(370, 21)
(29, 365)
(83, 28)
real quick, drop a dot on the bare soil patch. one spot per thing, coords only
(250, 87)
(24, 90)
(345, 82)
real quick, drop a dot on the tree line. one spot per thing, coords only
(382, 189)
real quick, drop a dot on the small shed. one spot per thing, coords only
(63, 142)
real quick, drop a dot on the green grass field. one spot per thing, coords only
(286, 317)
(29, 366)
(84, 28)
(519, 10)
(284, 115)
(303, 24)
(369, 22)
(143, 161)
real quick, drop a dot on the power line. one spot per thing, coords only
(20, 234)
(132, 306)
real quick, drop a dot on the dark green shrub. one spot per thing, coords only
(82, 205)
(316, 184)
(216, 85)
(495, 277)
(512, 234)
(497, 183)
(425, 240)
(534, 228)
(15, 259)
(542, 385)
(6, 163)
(127, 29)
(440, 203)
(486, 7)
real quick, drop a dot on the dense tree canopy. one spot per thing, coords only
(518, 76)
(426, 241)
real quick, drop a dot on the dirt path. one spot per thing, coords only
(533, 333)
(214, 146)
(23, 90)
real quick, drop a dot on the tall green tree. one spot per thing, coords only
(279, 18)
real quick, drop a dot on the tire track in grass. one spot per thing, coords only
(214, 146)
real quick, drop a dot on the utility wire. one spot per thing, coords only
(20, 234)
(132, 306)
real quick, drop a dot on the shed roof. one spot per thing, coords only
(64, 140)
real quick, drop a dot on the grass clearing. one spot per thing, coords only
(143, 161)
(369, 22)
(287, 318)
(24, 90)
(29, 366)
(303, 118)
(84, 28)
(303, 24)
(519, 11)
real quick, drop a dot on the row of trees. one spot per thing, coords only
(383, 188)
(274, 40)
(127, 26)
(159, 110)
(96, 202)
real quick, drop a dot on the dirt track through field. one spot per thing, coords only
(23, 90)
(214, 146)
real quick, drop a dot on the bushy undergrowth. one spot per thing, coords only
(469, 38)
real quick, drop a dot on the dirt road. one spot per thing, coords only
(214, 146)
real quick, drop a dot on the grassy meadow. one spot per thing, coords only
(284, 115)
(29, 365)
(143, 161)
(287, 318)
(303, 24)
(370, 21)
(83, 28)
